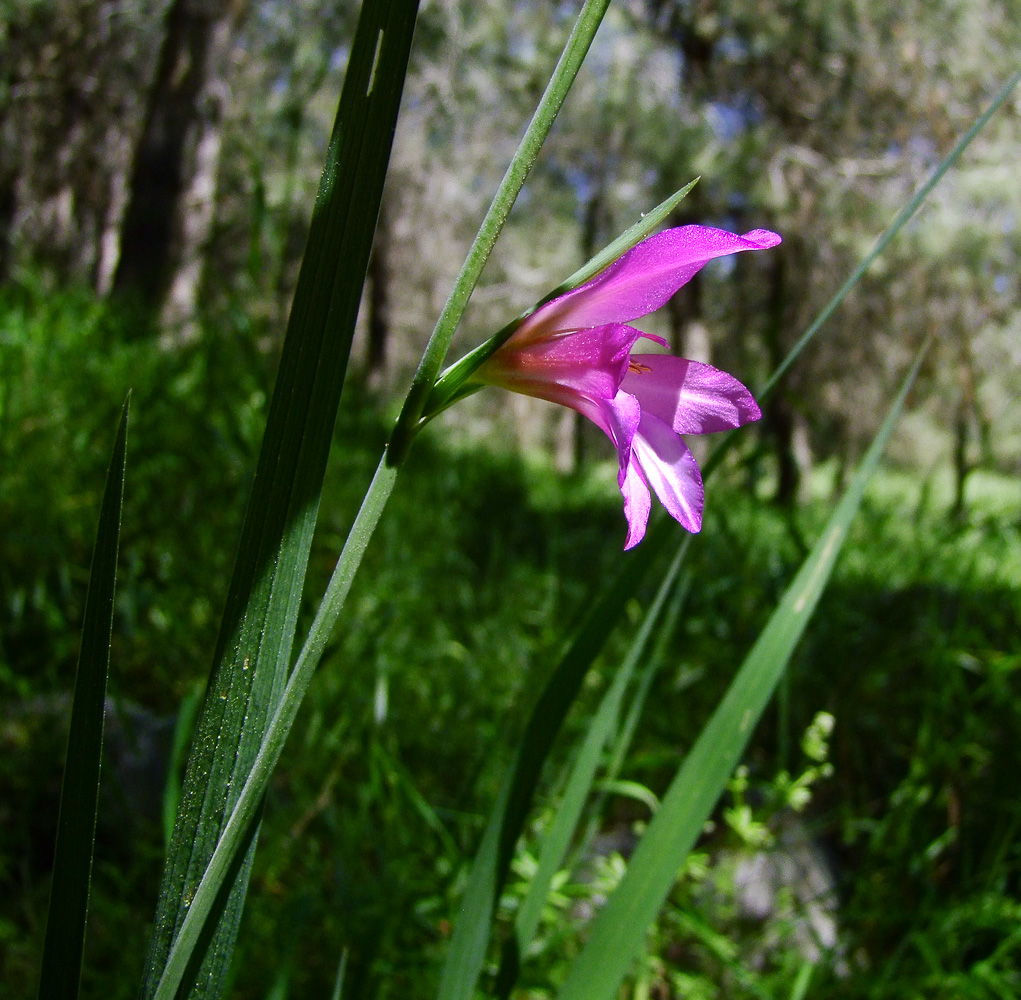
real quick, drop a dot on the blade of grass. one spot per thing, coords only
(631, 790)
(79, 793)
(619, 931)
(254, 646)
(579, 785)
(801, 982)
(489, 869)
(665, 634)
(338, 983)
(627, 731)
(584, 30)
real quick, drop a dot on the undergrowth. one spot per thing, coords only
(383, 790)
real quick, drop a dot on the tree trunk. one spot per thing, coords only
(7, 203)
(969, 412)
(196, 214)
(182, 110)
(961, 464)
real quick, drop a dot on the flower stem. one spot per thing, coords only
(249, 801)
(513, 180)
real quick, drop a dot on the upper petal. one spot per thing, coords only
(693, 398)
(671, 471)
(589, 362)
(641, 280)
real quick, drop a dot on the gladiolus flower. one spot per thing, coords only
(576, 350)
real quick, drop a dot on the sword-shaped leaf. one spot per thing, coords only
(620, 930)
(79, 793)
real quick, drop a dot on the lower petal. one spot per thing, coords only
(671, 470)
(620, 419)
(637, 503)
(691, 397)
(617, 418)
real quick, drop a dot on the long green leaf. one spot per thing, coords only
(254, 646)
(239, 828)
(664, 635)
(618, 754)
(619, 931)
(584, 30)
(488, 874)
(338, 982)
(489, 869)
(579, 785)
(79, 793)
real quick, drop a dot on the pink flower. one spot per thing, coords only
(576, 351)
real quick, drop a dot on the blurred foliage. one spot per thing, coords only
(475, 576)
(816, 118)
(66, 363)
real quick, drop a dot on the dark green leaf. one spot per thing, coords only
(254, 646)
(489, 870)
(579, 784)
(79, 794)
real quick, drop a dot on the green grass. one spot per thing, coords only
(478, 570)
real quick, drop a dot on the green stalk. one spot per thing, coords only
(238, 829)
(520, 166)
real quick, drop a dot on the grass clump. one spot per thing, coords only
(475, 576)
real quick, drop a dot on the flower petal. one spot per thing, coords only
(618, 418)
(641, 280)
(693, 398)
(671, 470)
(590, 362)
(637, 503)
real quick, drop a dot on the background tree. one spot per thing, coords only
(815, 118)
(72, 78)
(171, 192)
